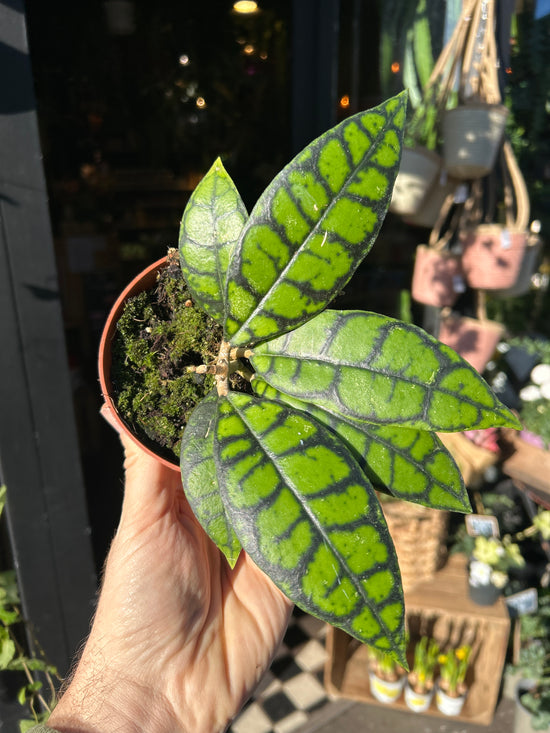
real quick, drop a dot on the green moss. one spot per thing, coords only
(160, 333)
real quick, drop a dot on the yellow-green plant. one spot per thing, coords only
(453, 666)
(13, 656)
(493, 557)
(426, 654)
(384, 665)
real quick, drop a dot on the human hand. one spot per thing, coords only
(179, 640)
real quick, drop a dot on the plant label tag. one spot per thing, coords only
(526, 601)
(505, 239)
(482, 525)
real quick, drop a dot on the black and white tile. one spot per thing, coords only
(292, 689)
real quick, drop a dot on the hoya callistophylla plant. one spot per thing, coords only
(344, 403)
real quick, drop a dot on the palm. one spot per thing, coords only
(185, 609)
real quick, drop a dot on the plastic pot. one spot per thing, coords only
(447, 704)
(418, 702)
(144, 281)
(484, 595)
(385, 691)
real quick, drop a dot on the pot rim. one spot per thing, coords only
(144, 280)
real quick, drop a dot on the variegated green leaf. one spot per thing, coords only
(212, 222)
(313, 225)
(376, 369)
(200, 483)
(306, 514)
(411, 464)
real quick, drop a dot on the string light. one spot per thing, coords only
(201, 102)
(248, 49)
(344, 101)
(395, 67)
(245, 6)
(184, 59)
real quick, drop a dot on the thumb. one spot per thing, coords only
(147, 480)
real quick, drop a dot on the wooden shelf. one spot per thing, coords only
(441, 609)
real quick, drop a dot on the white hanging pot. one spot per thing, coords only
(472, 134)
(417, 173)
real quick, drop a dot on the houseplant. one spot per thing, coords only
(533, 664)
(29, 670)
(451, 688)
(330, 404)
(493, 557)
(386, 677)
(419, 688)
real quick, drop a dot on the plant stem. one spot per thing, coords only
(222, 377)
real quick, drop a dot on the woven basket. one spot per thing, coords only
(418, 534)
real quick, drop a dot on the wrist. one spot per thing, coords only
(97, 706)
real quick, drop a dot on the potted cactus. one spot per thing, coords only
(288, 416)
(451, 687)
(419, 688)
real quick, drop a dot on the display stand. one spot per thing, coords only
(439, 608)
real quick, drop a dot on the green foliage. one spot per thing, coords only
(453, 666)
(426, 653)
(534, 661)
(12, 655)
(345, 402)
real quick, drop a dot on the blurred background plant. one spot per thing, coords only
(36, 693)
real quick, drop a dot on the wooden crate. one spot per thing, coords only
(441, 609)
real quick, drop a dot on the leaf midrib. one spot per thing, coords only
(356, 583)
(234, 340)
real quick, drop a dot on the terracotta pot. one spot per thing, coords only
(437, 277)
(145, 280)
(492, 256)
(474, 340)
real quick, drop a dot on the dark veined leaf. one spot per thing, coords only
(212, 222)
(306, 514)
(372, 368)
(410, 464)
(200, 483)
(313, 225)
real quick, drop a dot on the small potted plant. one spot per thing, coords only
(284, 416)
(492, 557)
(532, 663)
(386, 677)
(419, 687)
(451, 689)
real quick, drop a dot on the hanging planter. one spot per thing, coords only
(417, 173)
(474, 339)
(428, 212)
(472, 135)
(437, 277)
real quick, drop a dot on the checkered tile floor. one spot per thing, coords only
(292, 690)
